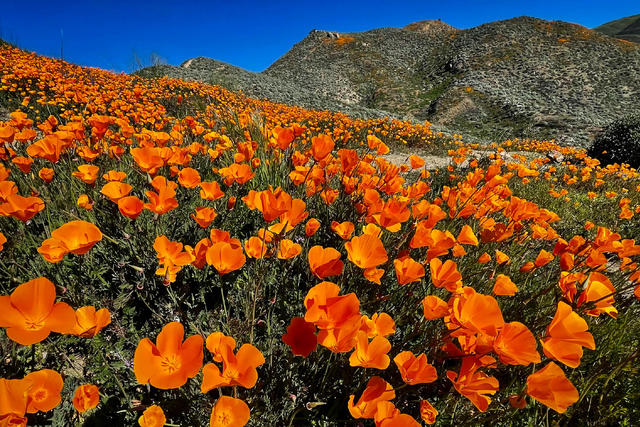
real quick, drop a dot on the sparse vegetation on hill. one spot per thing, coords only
(627, 28)
(523, 77)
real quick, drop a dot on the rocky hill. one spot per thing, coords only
(519, 77)
(625, 28)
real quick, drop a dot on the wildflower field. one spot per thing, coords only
(176, 254)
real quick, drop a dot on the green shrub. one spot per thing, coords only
(619, 142)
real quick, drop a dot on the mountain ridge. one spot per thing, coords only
(519, 77)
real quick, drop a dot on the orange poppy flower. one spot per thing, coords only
(543, 258)
(416, 161)
(113, 175)
(48, 148)
(380, 324)
(301, 337)
(210, 191)
(434, 307)
(501, 257)
(566, 335)
(23, 163)
(415, 370)
(153, 416)
(599, 289)
(477, 312)
(229, 411)
(344, 229)
(408, 270)
(467, 237)
(237, 369)
(148, 159)
(189, 178)
(116, 190)
(44, 390)
(377, 390)
(516, 345)
(84, 202)
(366, 251)
(13, 400)
(22, 208)
(321, 146)
(484, 258)
(427, 412)
(237, 172)
(325, 262)
(87, 173)
(77, 237)
(370, 354)
(272, 203)
(445, 274)
(90, 322)
(130, 206)
(3, 240)
(327, 310)
(256, 247)
(311, 227)
(504, 286)
(551, 387)
(473, 384)
(225, 258)
(86, 396)
(287, 249)
(204, 216)
(169, 364)
(30, 313)
(373, 274)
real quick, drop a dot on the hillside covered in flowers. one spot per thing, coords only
(172, 253)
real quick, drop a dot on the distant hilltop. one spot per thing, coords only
(514, 78)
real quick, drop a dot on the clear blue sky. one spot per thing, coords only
(249, 34)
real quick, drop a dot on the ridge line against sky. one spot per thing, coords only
(248, 34)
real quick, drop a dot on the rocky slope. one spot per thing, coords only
(515, 78)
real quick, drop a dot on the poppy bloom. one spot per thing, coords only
(23, 163)
(427, 412)
(366, 251)
(370, 354)
(30, 313)
(321, 146)
(237, 369)
(408, 270)
(44, 390)
(415, 370)
(504, 286)
(517, 401)
(130, 206)
(153, 416)
(189, 178)
(287, 249)
(77, 237)
(22, 208)
(13, 400)
(86, 396)
(272, 203)
(3, 240)
(229, 411)
(551, 387)
(445, 274)
(116, 190)
(90, 322)
(377, 390)
(204, 216)
(566, 335)
(171, 362)
(467, 237)
(84, 202)
(344, 229)
(311, 227)
(225, 258)
(87, 173)
(543, 258)
(301, 337)
(473, 384)
(148, 159)
(325, 262)
(516, 345)
(434, 307)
